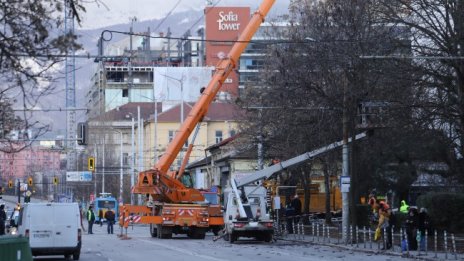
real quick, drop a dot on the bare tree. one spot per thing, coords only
(437, 34)
(31, 48)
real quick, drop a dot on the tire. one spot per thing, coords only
(166, 232)
(153, 230)
(226, 236)
(76, 255)
(268, 237)
(232, 238)
(216, 230)
(158, 231)
(67, 256)
(199, 234)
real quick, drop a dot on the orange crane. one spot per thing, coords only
(178, 209)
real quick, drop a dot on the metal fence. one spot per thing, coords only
(434, 245)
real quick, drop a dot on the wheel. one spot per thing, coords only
(268, 237)
(232, 238)
(199, 234)
(226, 237)
(76, 255)
(153, 230)
(216, 230)
(166, 232)
(67, 256)
(158, 231)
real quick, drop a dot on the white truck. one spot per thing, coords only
(246, 214)
(52, 228)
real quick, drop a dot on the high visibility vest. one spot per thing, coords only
(90, 215)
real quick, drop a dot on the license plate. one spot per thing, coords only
(41, 235)
(253, 224)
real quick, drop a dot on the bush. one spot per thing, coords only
(445, 210)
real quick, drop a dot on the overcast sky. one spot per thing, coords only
(101, 13)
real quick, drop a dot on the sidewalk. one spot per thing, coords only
(363, 242)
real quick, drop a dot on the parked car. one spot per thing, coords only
(9, 213)
(52, 228)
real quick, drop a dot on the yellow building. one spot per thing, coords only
(220, 123)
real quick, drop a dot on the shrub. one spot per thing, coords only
(445, 210)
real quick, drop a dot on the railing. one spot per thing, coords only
(435, 244)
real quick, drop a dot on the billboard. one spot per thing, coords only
(78, 176)
(180, 83)
(224, 24)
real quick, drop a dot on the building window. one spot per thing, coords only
(231, 133)
(125, 158)
(171, 135)
(218, 136)
(125, 92)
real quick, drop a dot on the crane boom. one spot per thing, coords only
(156, 181)
(269, 171)
(223, 70)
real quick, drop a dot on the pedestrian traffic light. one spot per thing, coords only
(10, 184)
(91, 164)
(29, 181)
(55, 180)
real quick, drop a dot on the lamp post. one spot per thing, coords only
(121, 162)
(132, 157)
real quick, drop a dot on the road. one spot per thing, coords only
(141, 246)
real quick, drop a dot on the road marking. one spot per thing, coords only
(181, 250)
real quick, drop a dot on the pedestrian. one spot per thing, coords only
(289, 214)
(14, 218)
(90, 218)
(404, 207)
(110, 218)
(100, 217)
(412, 223)
(384, 224)
(373, 202)
(296, 204)
(424, 225)
(80, 214)
(2, 219)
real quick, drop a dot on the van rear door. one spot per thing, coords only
(41, 225)
(66, 220)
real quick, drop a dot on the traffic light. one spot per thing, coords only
(55, 180)
(29, 181)
(82, 133)
(10, 184)
(91, 164)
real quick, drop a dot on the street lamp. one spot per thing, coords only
(121, 162)
(132, 158)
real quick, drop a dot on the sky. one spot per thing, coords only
(101, 13)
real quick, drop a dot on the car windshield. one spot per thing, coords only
(106, 204)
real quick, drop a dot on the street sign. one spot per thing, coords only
(345, 182)
(78, 176)
(86, 176)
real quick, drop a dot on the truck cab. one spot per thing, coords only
(257, 223)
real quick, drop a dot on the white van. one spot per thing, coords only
(52, 228)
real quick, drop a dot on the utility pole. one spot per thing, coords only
(345, 168)
(70, 93)
(132, 159)
(19, 191)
